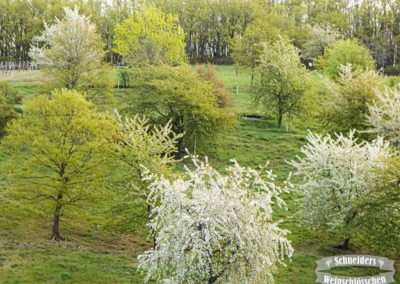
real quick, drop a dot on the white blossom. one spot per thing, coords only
(139, 145)
(384, 115)
(215, 228)
(139, 142)
(335, 172)
(70, 49)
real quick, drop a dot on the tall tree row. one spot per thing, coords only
(211, 27)
(376, 23)
(22, 20)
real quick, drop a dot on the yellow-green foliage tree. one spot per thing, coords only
(379, 223)
(177, 94)
(70, 51)
(150, 37)
(345, 52)
(57, 148)
(350, 96)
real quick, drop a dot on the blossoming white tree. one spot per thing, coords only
(384, 115)
(139, 144)
(70, 50)
(215, 228)
(336, 172)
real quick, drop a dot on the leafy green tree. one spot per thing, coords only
(379, 223)
(150, 37)
(58, 147)
(344, 52)
(9, 99)
(266, 28)
(347, 105)
(281, 80)
(176, 94)
(70, 50)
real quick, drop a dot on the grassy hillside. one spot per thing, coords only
(258, 141)
(97, 254)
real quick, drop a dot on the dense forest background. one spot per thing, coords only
(213, 27)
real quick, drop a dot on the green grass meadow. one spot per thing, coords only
(96, 253)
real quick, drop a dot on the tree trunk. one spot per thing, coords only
(55, 233)
(178, 127)
(280, 119)
(181, 150)
(237, 80)
(71, 85)
(346, 244)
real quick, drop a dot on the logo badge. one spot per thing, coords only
(382, 263)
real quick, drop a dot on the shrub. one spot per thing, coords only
(208, 73)
(345, 52)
